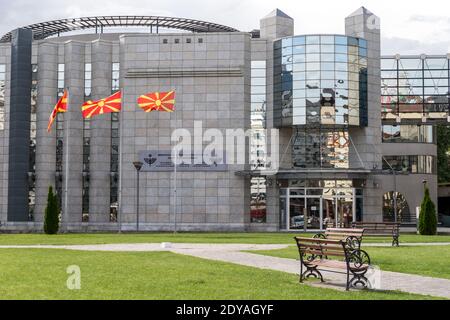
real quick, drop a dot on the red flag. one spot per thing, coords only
(157, 101)
(107, 105)
(61, 106)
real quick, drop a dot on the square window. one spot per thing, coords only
(363, 43)
(352, 41)
(177, 41)
(313, 49)
(341, 49)
(340, 40)
(286, 42)
(298, 41)
(165, 41)
(188, 40)
(312, 40)
(327, 39)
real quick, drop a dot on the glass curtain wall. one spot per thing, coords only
(115, 125)
(32, 161)
(415, 87)
(59, 137)
(411, 164)
(86, 143)
(408, 134)
(320, 80)
(320, 89)
(258, 140)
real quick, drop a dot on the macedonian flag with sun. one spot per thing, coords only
(107, 105)
(157, 101)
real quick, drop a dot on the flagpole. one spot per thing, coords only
(120, 162)
(66, 182)
(175, 180)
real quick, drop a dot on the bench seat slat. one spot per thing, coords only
(330, 264)
(321, 246)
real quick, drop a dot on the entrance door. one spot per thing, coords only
(297, 213)
(314, 213)
(344, 212)
(329, 209)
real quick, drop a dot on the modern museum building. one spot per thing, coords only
(352, 133)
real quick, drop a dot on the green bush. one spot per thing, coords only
(427, 217)
(51, 219)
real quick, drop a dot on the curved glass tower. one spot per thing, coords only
(320, 81)
(320, 90)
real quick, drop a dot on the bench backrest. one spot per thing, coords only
(330, 225)
(320, 247)
(378, 227)
(343, 234)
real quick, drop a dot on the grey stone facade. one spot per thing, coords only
(211, 75)
(367, 140)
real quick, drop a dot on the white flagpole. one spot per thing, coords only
(66, 174)
(120, 210)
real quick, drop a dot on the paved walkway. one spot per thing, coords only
(233, 253)
(406, 244)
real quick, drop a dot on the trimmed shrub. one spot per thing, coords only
(427, 217)
(51, 218)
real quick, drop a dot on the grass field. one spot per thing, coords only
(41, 274)
(253, 238)
(433, 261)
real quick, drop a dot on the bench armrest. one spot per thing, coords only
(319, 236)
(358, 259)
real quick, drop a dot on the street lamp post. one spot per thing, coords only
(395, 196)
(424, 184)
(138, 166)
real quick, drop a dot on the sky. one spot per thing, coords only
(408, 27)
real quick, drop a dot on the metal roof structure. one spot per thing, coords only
(47, 29)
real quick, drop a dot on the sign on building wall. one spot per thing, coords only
(161, 161)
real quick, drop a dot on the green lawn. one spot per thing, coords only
(254, 238)
(433, 261)
(41, 274)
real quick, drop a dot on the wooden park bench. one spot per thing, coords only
(352, 237)
(315, 255)
(380, 229)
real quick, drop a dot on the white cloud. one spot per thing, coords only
(406, 25)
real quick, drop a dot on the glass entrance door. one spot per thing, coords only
(297, 213)
(305, 213)
(329, 209)
(306, 209)
(344, 212)
(314, 213)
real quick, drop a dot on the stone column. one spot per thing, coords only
(5, 59)
(73, 132)
(100, 153)
(46, 141)
(364, 24)
(19, 125)
(275, 25)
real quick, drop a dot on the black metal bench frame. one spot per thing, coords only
(356, 261)
(372, 227)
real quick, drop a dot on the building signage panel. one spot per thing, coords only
(161, 161)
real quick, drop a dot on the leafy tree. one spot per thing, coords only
(51, 219)
(443, 148)
(427, 217)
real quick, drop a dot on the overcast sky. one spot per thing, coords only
(408, 27)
